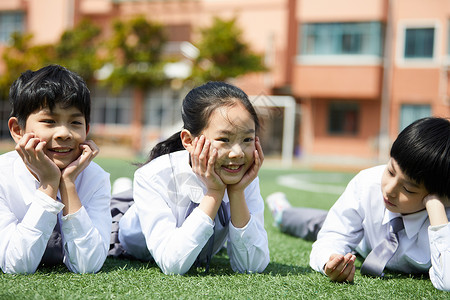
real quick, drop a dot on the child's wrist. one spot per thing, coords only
(217, 194)
(235, 194)
(67, 184)
(50, 190)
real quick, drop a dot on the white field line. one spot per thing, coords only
(300, 182)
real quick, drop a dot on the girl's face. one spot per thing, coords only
(401, 194)
(231, 130)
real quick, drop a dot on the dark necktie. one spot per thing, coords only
(224, 219)
(53, 254)
(377, 259)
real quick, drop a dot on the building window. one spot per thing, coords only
(343, 118)
(342, 38)
(10, 22)
(419, 42)
(412, 112)
(111, 110)
(163, 108)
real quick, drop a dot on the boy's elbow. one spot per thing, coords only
(442, 285)
(15, 265)
(19, 269)
(440, 280)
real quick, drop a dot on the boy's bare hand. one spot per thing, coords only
(341, 268)
(435, 207)
(429, 198)
(31, 150)
(89, 151)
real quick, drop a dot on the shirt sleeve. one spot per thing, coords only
(173, 248)
(87, 232)
(248, 247)
(342, 229)
(23, 243)
(440, 256)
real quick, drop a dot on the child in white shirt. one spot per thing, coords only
(54, 201)
(199, 189)
(414, 185)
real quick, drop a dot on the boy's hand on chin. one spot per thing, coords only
(89, 150)
(31, 150)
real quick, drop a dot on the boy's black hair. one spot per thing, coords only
(47, 87)
(422, 150)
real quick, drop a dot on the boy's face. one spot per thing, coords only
(400, 193)
(62, 129)
(231, 131)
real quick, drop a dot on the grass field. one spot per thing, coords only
(287, 276)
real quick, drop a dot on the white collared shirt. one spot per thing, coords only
(359, 221)
(156, 225)
(28, 217)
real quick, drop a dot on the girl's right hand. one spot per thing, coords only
(203, 159)
(31, 150)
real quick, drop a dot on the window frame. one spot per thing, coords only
(372, 57)
(344, 133)
(418, 62)
(15, 14)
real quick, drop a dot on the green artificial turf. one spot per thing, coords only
(287, 276)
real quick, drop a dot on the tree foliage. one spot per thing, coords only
(135, 54)
(224, 54)
(77, 49)
(20, 56)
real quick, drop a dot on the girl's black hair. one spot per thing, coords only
(47, 87)
(196, 109)
(422, 150)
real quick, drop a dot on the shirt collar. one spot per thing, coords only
(413, 222)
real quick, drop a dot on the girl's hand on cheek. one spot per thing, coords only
(203, 159)
(31, 150)
(89, 151)
(252, 172)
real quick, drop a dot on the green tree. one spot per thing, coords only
(136, 61)
(223, 54)
(20, 56)
(135, 54)
(77, 49)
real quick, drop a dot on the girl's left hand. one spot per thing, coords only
(89, 151)
(252, 172)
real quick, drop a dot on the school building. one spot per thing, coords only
(358, 71)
